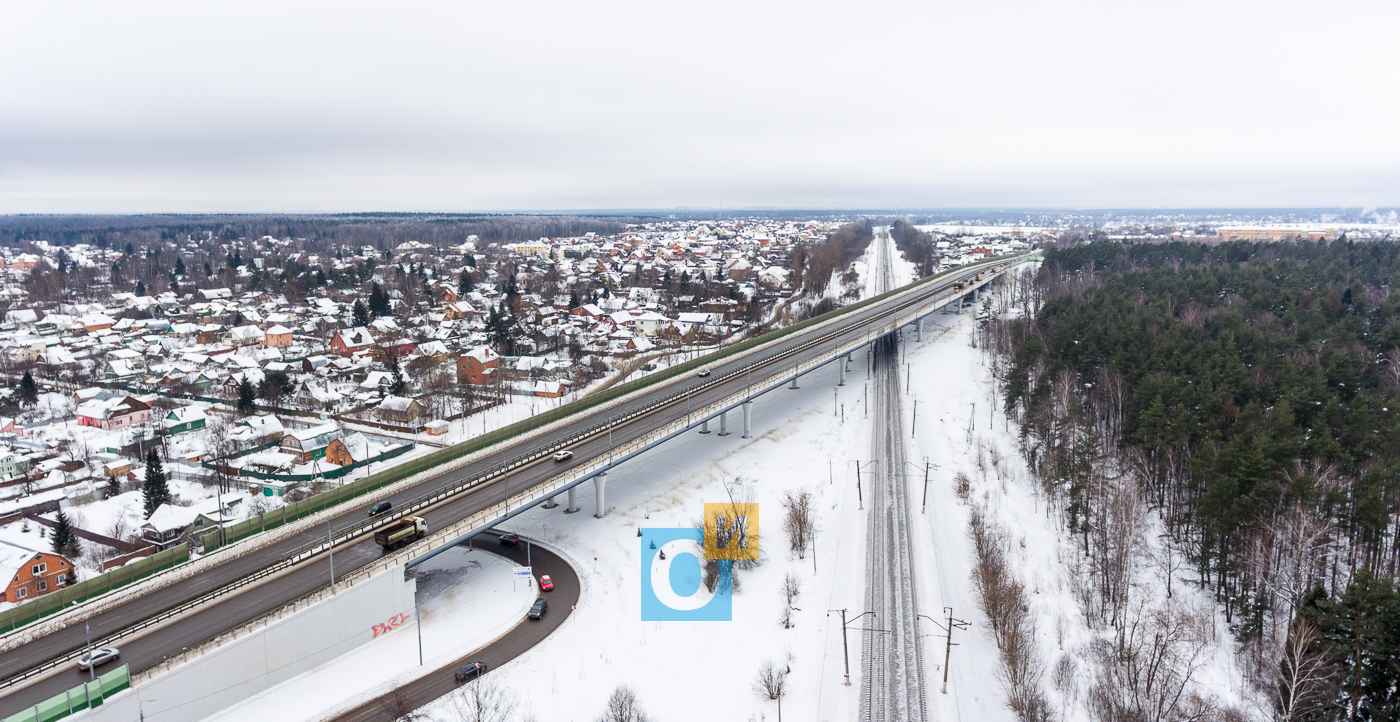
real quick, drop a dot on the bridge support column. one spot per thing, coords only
(724, 423)
(794, 386)
(573, 500)
(842, 364)
(551, 502)
(919, 330)
(748, 416)
(600, 504)
(705, 426)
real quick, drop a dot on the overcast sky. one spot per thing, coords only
(283, 106)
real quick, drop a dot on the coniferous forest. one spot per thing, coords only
(1249, 393)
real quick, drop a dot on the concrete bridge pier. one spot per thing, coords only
(793, 387)
(919, 330)
(748, 416)
(724, 423)
(705, 426)
(573, 500)
(551, 502)
(600, 503)
(842, 364)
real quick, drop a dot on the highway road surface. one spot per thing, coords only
(399, 703)
(144, 651)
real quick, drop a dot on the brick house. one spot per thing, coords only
(478, 367)
(351, 341)
(26, 573)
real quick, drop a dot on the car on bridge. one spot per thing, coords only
(471, 670)
(563, 455)
(703, 373)
(538, 609)
(98, 657)
(380, 508)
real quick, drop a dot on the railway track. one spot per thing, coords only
(892, 683)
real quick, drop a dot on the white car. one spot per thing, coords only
(703, 373)
(97, 657)
(563, 455)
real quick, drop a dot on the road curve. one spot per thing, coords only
(395, 705)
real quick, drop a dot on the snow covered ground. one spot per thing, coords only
(705, 670)
(467, 598)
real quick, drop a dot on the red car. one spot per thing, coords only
(546, 584)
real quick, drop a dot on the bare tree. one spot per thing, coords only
(791, 588)
(797, 519)
(1147, 673)
(482, 701)
(771, 683)
(1301, 681)
(623, 707)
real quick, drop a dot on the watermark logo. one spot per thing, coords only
(673, 565)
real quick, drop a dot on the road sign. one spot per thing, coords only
(521, 571)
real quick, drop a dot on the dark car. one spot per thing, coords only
(510, 540)
(540, 607)
(471, 670)
(380, 508)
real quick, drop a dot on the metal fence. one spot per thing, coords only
(20, 615)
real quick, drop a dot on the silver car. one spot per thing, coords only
(97, 657)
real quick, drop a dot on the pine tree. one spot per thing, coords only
(179, 266)
(379, 301)
(359, 314)
(140, 288)
(28, 390)
(573, 300)
(114, 486)
(64, 541)
(246, 397)
(464, 284)
(398, 385)
(154, 492)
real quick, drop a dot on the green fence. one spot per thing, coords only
(91, 694)
(40, 607)
(335, 473)
(319, 502)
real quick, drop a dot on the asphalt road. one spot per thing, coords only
(525, 635)
(190, 630)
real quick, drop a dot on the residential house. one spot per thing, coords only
(185, 418)
(278, 336)
(478, 367)
(308, 444)
(28, 573)
(350, 341)
(400, 410)
(350, 449)
(113, 413)
(245, 336)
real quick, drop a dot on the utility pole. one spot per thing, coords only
(924, 507)
(330, 545)
(915, 423)
(92, 668)
(845, 646)
(948, 628)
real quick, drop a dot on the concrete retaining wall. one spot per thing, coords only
(270, 655)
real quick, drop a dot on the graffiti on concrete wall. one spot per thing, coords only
(396, 621)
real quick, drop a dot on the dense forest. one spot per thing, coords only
(319, 233)
(916, 245)
(1250, 395)
(817, 263)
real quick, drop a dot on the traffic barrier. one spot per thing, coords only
(20, 615)
(77, 699)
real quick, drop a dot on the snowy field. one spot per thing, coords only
(467, 598)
